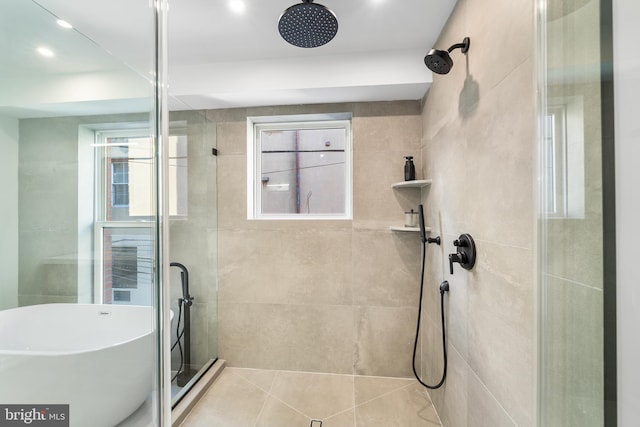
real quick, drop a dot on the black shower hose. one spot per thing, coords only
(444, 287)
(179, 335)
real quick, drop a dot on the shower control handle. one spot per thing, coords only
(465, 254)
(459, 258)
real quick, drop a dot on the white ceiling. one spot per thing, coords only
(218, 58)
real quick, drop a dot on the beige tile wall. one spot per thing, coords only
(322, 296)
(478, 147)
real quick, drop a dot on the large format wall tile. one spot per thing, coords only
(478, 147)
(285, 336)
(484, 409)
(285, 267)
(386, 133)
(289, 290)
(501, 346)
(386, 268)
(510, 30)
(374, 201)
(453, 397)
(384, 341)
(232, 191)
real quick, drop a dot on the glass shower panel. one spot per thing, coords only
(78, 299)
(192, 247)
(571, 214)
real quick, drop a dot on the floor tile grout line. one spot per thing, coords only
(234, 374)
(353, 377)
(264, 404)
(270, 394)
(247, 381)
(388, 393)
(277, 374)
(434, 407)
(344, 411)
(323, 373)
(290, 407)
(355, 420)
(350, 408)
(307, 416)
(273, 382)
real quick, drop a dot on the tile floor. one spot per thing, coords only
(264, 398)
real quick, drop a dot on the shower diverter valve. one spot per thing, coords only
(465, 254)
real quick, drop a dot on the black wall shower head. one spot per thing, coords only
(440, 62)
(308, 24)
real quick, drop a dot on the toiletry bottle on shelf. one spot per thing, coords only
(409, 169)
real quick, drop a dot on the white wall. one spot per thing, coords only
(626, 33)
(9, 213)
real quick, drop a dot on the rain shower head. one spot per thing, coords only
(440, 62)
(308, 24)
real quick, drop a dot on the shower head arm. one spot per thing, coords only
(464, 46)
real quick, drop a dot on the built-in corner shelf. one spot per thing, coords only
(416, 183)
(403, 228)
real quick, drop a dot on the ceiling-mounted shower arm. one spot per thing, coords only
(440, 62)
(464, 46)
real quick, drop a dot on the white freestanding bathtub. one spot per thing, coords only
(99, 359)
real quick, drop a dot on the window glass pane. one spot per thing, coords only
(177, 178)
(121, 296)
(129, 177)
(125, 194)
(120, 195)
(124, 267)
(127, 264)
(302, 169)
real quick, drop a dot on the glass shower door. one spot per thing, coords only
(575, 253)
(79, 335)
(192, 247)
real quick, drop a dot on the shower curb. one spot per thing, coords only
(184, 407)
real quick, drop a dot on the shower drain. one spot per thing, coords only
(316, 423)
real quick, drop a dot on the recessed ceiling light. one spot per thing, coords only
(45, 51)
(237, 6)
(64, 24)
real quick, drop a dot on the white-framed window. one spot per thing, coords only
(120, 183)
(564, 157)
(299, 167)
(124, 200)
(556, 161)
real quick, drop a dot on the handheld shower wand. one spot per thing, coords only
(444, 287)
